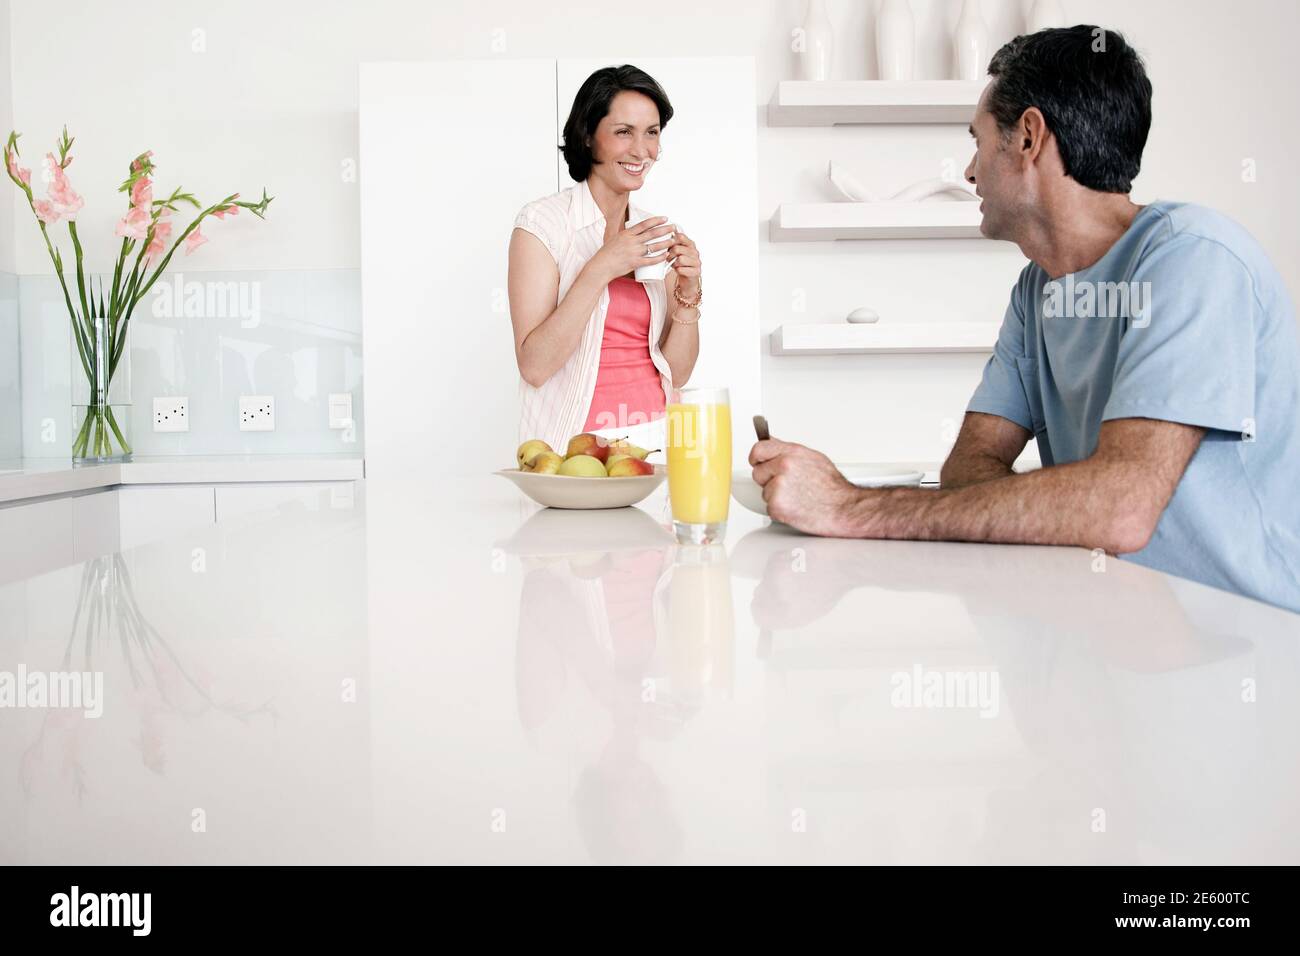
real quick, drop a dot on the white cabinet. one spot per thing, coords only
(35, 538)
(94, 525)
(707, 183)
(152, 512)
(282, 497)
(45, 534)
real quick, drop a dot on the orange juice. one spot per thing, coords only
(699, 460)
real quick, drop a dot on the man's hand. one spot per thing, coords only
(803, 489)
(1111, 500)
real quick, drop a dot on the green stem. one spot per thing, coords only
(79, 443)
(126, 449)
(129, 300)
(81, 278)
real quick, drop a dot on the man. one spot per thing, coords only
(1151, 350)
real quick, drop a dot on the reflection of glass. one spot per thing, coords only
(699, 463)
(701, 630)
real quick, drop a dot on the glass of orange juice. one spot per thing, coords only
(699, 463)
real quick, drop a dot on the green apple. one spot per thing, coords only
(582, 466)
(547, 463)
(530, 450)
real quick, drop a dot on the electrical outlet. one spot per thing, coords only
(257, 413)
(171, 414)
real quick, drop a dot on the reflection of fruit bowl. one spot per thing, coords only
(550, 533)
(563, 491)
(747, 491)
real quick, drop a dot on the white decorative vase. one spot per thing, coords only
(818, 43)
(895, 40)
(970, 42)
(1044, 15)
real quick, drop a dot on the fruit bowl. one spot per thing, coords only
(564, 491)
(748, 492)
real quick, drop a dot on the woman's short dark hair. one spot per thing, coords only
(1092, 90)
(591, 105)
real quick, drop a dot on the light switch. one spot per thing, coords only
(340, 409)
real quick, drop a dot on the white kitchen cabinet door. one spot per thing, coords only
(282, 498)
(450, 152)
(35, 538)
(153, 512)
(95, 525)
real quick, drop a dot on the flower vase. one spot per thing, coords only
(101, 389)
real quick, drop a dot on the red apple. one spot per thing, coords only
(630, 467)
(588, 444)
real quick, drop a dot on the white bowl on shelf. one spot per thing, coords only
(748, 492)
(584, 494)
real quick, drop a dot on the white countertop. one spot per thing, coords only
(36, 477)
(445, 673)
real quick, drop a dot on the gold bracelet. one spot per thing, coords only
(699, 296)
(696, 320)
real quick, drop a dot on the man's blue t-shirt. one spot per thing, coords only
(1183, 319)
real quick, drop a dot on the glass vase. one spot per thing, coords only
(101, 390)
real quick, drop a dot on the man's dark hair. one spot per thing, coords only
(591, 105)
(1092, 89)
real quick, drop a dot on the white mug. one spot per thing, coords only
(656, 271)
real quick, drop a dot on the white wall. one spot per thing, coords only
(273, 100)
(10, 411)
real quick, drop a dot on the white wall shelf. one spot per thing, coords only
(819, 221)
(857, 102)
(844, 338)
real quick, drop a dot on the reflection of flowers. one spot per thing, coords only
(108, 613)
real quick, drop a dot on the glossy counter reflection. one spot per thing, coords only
(446, 673)
(222, 656)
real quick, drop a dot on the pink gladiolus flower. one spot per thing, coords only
(194, 240)
(45, 211)
(134, 225)
(225, 211)
(142, 193)
(136, 164)
(161, 233)
(25, 175)
(65, 200)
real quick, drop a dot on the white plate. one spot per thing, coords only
(745, 490)
(561, 491)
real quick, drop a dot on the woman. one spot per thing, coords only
(597, 350)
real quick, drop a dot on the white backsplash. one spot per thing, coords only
(11, 425)
(211, 337)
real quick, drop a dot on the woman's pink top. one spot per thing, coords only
(629, 390)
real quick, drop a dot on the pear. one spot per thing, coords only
(582, 466)
(530, 450)
(622, 446)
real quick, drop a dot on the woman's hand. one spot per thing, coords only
(627, 250)
(686, 263)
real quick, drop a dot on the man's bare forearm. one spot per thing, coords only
(1092, 504)
(962, 470)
